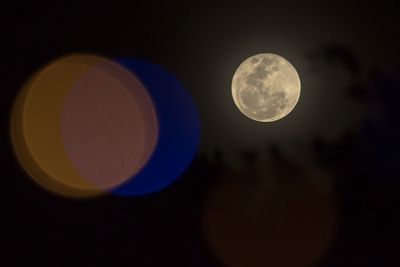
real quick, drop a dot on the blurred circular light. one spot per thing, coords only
(278, 216)
(83, 125)
(179, 130)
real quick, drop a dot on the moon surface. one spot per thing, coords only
(266, 87)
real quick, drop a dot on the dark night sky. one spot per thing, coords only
(348, 60)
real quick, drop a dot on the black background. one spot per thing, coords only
(202, 43)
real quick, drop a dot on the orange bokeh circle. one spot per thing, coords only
(83, 125)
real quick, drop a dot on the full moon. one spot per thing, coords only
(266, 87)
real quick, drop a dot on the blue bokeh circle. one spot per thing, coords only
(179, 129)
